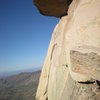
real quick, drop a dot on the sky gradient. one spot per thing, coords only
(24, 35)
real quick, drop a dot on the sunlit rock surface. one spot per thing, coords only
(72, 67)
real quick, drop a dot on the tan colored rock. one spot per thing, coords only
(51, 69)
(83, 28)
(72, 65)
(85, 62)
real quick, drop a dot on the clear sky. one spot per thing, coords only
(24, 35)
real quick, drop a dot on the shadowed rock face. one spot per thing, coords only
(57, 8)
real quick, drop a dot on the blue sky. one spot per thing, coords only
(24, 35)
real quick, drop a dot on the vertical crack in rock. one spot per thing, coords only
(98, 83)
(52, 51)
(69, 2)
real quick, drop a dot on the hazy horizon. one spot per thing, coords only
(24, 35)
(16, 72)
(25, 69)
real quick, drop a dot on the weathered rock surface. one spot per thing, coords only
(55, 8)
(85, 61)
(72, 67)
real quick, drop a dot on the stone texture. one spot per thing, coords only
(57, 8)
(80, 91)
(52, 69)
(72, 66)
(83, 28)
(85, 62)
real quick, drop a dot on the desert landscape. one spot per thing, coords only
(19, 87)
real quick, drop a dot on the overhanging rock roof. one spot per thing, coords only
(56, 8)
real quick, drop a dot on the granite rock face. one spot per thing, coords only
(55, 8)
(85, 61)
(72, 67)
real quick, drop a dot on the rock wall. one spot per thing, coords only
(72, 67)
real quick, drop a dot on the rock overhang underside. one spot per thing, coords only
(56, 8)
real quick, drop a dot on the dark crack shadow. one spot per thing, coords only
(88, 82)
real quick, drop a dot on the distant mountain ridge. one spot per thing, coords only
(19, 87)
(5, 74)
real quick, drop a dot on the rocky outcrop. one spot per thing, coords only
(72, 67)
(85, 61)
(57, 8)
